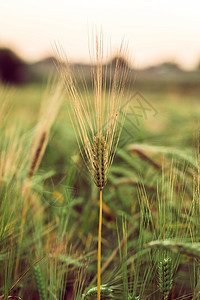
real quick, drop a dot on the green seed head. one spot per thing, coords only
(165, 276)
(99, 153)
(106, 293)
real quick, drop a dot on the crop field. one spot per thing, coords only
(49, 203)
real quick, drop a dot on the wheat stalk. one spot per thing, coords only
(98, 122)
(49, 109)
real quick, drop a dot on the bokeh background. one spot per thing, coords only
(156, 33)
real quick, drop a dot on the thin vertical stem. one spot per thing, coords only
(99, 248)
(24, 213)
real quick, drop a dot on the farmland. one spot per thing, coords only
(49, 220)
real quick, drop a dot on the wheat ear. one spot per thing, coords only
(106, 292)
(189, 249)
(49, 109)
(165, 275)
(40, 282)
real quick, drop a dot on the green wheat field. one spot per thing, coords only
(49, 204)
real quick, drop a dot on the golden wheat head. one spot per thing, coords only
(49, 109)
(98, 119)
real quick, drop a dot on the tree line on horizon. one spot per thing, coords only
(14, 70)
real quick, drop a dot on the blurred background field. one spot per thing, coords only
(159, 139)
(169, 94)
(49, 219)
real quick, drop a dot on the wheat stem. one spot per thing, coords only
(99, 248)
(24, 212)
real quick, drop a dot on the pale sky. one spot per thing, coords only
(155, 30)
